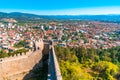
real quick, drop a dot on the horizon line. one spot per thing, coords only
(59, 14)
(115, 10)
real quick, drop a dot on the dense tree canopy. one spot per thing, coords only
(79, 63)
(20, 44)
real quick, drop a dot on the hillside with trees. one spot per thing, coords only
(26, 17)
(80, 63)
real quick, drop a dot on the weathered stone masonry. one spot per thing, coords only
(21, 63)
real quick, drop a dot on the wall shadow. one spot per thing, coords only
(40, 70)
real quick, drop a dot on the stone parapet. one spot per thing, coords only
(53, 66)
(20, 63)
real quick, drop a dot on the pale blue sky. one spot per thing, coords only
(61, 7)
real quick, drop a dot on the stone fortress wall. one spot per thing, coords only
(21, 63)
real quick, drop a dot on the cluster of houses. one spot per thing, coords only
(11, 34)
(89, 34)
(86, 33)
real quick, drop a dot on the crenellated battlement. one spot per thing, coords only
(18, 56)
(38, 45)
(20, 63)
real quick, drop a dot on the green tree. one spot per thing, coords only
(3, 54)
(106, 70)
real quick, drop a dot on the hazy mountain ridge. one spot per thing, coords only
(21, 17)
(26, 16)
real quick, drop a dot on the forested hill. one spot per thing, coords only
(31, 17)
(79, 63)
(17, 15)
(21, 17)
